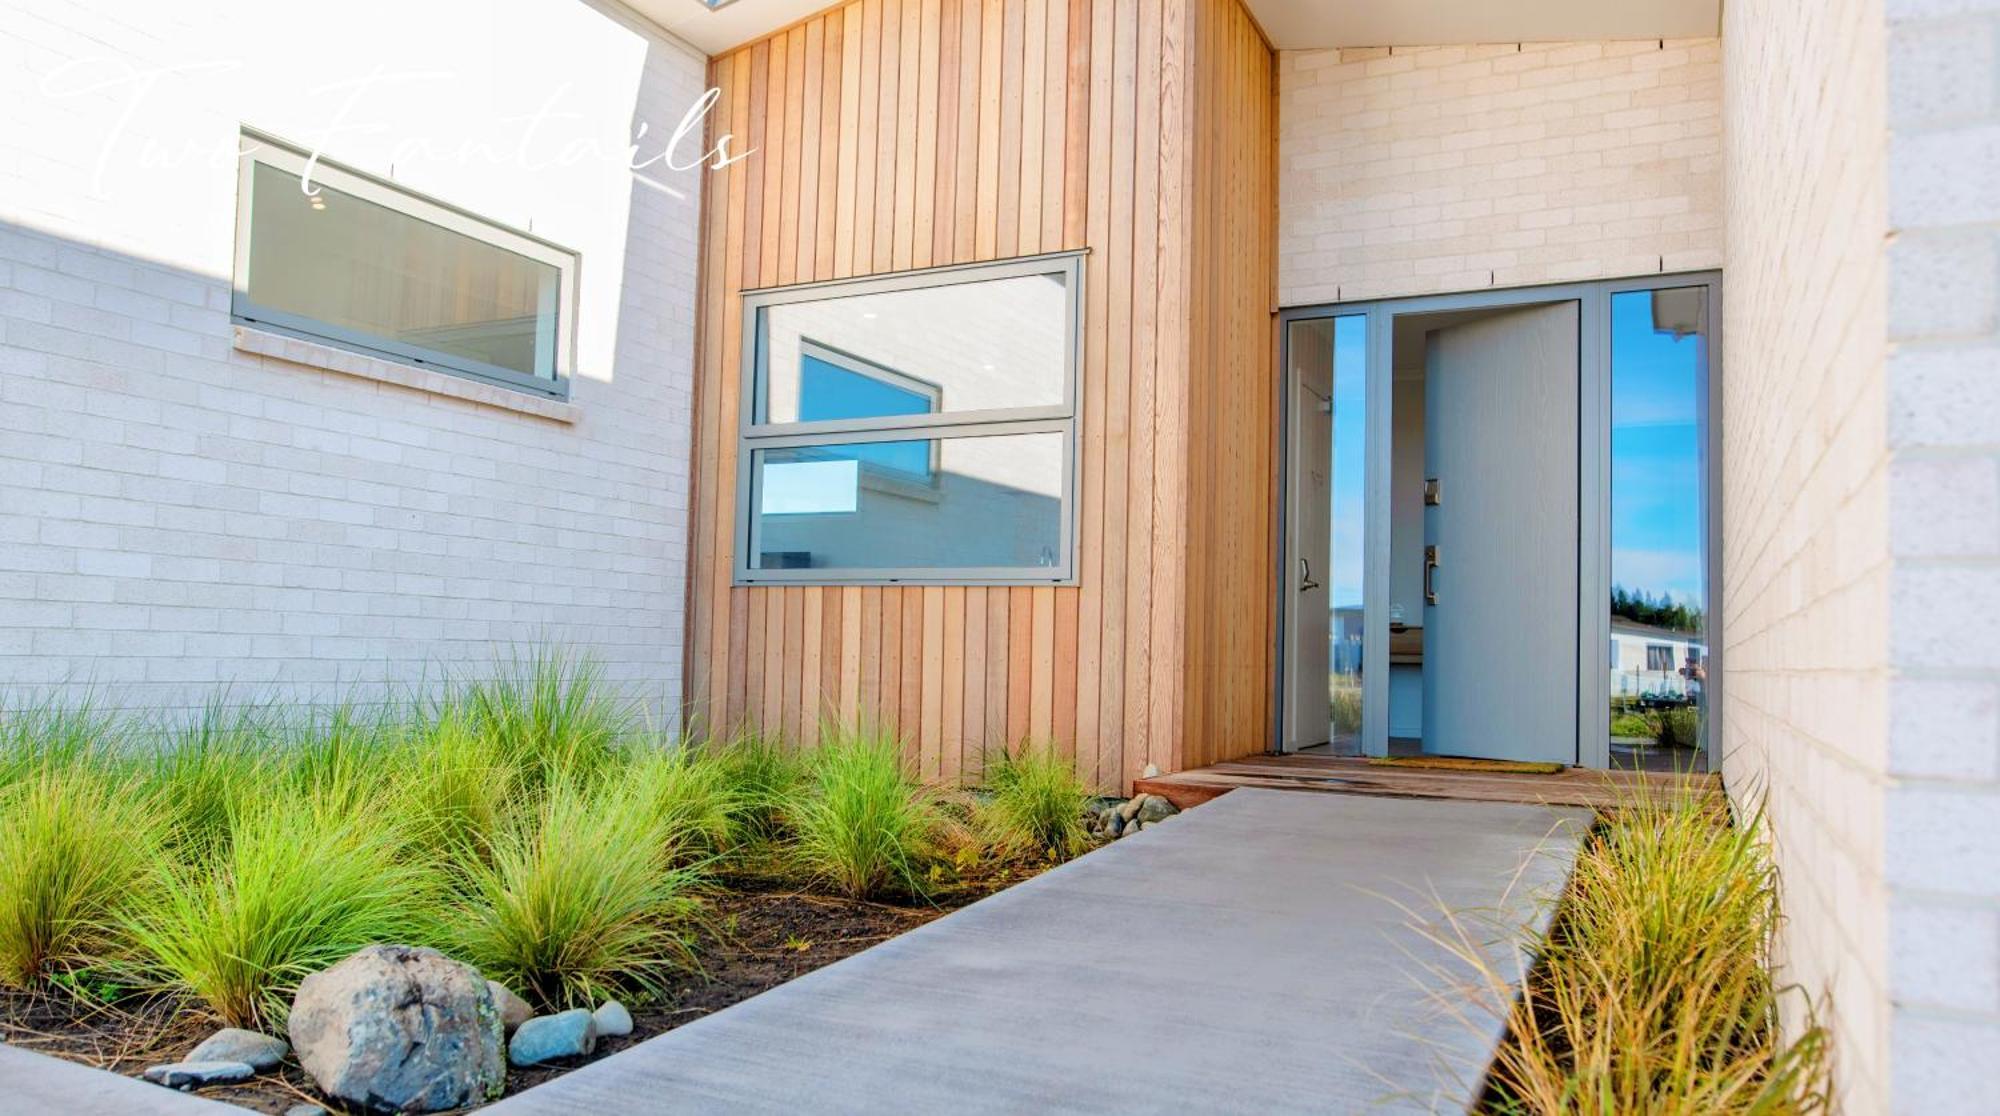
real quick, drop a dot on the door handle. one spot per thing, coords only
(1430, 568)
(1306, 582)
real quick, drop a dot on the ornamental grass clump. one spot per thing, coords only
(209, 766)
(52, 736)
(764, 778)
(697, 802)
(550, 715)
(862, 826)
(1653, 992)
(75, 843)
(456, 790)
(580, 900)
(1036, 804)
(302, 882)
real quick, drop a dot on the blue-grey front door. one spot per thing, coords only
(1500, 612)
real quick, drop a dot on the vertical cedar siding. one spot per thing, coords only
(892, 134)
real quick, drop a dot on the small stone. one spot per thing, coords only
(612, 1019)
(1156, 809)
(1128, 809)
(196, 1075)
(566, 1034)
(1152, 771)
(1113, 825)
(514, 1010)
(1138, 826)
(234, 1044)
(307, 1110)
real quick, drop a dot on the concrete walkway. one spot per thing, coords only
(1247, 956)
(33, 1084)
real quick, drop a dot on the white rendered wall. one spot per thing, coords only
(177, 515)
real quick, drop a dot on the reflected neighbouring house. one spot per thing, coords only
(1655, 664)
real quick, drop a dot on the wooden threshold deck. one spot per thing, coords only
(1575, 786)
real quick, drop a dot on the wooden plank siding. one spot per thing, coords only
(892, 134)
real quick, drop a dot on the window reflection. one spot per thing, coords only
(1329, 422)
(988, 502)
(335, 259)
(990, 345)
(1658, 598)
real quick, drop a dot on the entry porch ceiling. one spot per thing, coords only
(1313, 24)
(1297, 24)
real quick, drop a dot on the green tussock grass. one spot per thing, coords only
(581, 900)
(457, 790)
(550, 715)
(302, 882)
(862, 827)
(696, 798)
(76, 841)
(1036, 803)
(1653, 993)
(765, 777)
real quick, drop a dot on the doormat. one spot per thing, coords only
(1465, 763)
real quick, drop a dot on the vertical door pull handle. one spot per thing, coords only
(1430, 568)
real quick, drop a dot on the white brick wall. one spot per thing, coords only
(1414, 170)
(177, 515)
(1862, 520)
(1941, 812)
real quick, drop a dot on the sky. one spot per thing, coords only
(1656, 505)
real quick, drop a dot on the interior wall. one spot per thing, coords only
(898, 134)
(1406, 538)
(1419, 170)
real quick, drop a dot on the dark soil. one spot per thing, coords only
(758, 934)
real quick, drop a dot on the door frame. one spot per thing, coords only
(1593, 691)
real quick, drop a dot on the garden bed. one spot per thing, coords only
(161, 881)
(762, 937)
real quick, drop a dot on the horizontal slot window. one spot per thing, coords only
(335, 255)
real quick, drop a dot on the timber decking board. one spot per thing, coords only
(1574, 786)
(890, 134)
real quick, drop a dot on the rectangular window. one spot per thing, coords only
(917, 427)
(335, 255)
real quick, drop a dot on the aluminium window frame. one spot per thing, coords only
(1062, 418)
(1594, 297)
(263, 149)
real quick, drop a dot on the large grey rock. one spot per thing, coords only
(399, 1029)
(612, 1019)
(234, 1044)
(566, 1034)
(1155, 809)
(514, 1010)
(195, 1075)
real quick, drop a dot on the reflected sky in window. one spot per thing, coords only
(1656, 440)
(829, 391)
(1350, 445)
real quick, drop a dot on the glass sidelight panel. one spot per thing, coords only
(1328, 360)
(1659, 592)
